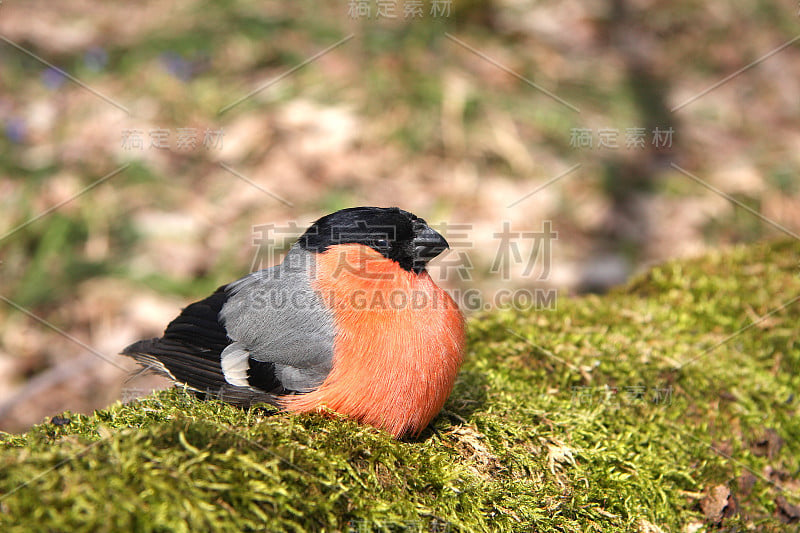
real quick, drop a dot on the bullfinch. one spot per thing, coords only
(350, 321)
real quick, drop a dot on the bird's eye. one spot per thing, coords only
(382, 243)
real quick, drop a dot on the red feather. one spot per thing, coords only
(398, 346)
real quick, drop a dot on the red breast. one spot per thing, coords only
(398, 344)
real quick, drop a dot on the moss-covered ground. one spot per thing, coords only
(668, 405)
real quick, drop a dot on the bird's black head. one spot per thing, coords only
(396, 234)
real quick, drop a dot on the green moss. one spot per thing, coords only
(607, 412)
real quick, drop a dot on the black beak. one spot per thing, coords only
(428, 244)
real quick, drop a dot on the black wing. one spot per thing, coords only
(189, 353)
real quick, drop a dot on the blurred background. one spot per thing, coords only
(152, 151)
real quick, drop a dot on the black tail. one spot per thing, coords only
(189, 354)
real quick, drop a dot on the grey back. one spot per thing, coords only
(276, 316)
